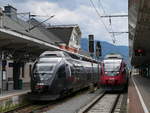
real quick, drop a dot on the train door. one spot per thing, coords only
(83, 74)
(63, 73)
(61, 81)
(124, 72)
(77, 78)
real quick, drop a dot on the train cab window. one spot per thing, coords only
(52, 55)
(42, 67)
(74, 56)
(62, 72)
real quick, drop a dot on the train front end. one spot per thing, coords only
(114, 75)
(43, 77)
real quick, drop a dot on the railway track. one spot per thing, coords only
(40, 107)
(104, 103)
(32, 108)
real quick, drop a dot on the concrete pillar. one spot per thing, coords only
(16, 74)
(1, 81)
(4, 76)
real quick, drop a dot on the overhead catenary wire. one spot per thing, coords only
(110, 17)
(101, 18)
(13, 1)
(100, 4)
(102, 7)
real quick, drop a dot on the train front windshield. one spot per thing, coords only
(43, 67)
(112, 67)
(46, 65)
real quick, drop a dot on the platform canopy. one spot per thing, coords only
(15, 42)
(139, 32)
(17, 39)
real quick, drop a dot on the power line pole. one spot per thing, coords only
(114, 16)
(119, 32)
(110, 16)
(39, 23)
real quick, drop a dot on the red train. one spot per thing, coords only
(114, 73)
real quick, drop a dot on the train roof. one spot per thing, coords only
(112, 60)
(113, 56)
(46, 53)
(67, 54)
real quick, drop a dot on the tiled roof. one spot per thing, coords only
(64, 33)
(21, 26)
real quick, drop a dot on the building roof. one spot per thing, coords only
(22, 27)
(54, 38)
(63, 32)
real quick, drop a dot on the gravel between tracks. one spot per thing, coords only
(74, 104)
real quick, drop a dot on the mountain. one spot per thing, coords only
(107, 48)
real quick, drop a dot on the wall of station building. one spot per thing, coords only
(143, 70)
(24, 75)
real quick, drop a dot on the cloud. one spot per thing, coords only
(78, 12)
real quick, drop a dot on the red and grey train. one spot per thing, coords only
(114, 73)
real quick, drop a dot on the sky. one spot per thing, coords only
(80, 12)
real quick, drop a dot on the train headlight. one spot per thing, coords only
(106, 72)
(40, 84)
(117, 73)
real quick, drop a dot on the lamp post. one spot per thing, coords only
(39, 23)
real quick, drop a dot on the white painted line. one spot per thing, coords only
(141, 99)
(128, 101)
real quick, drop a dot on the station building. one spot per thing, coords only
(139, 33)
(21, 42)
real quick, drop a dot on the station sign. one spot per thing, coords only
(11, 64)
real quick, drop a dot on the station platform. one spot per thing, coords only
(7, 94)
(139, 94)
(12, 99)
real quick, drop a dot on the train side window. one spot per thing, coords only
(62, 72)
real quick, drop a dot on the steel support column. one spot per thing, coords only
(0, 72)
(16, 74)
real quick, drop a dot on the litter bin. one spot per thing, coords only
(20, 84)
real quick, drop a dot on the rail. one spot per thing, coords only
(102, 103)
